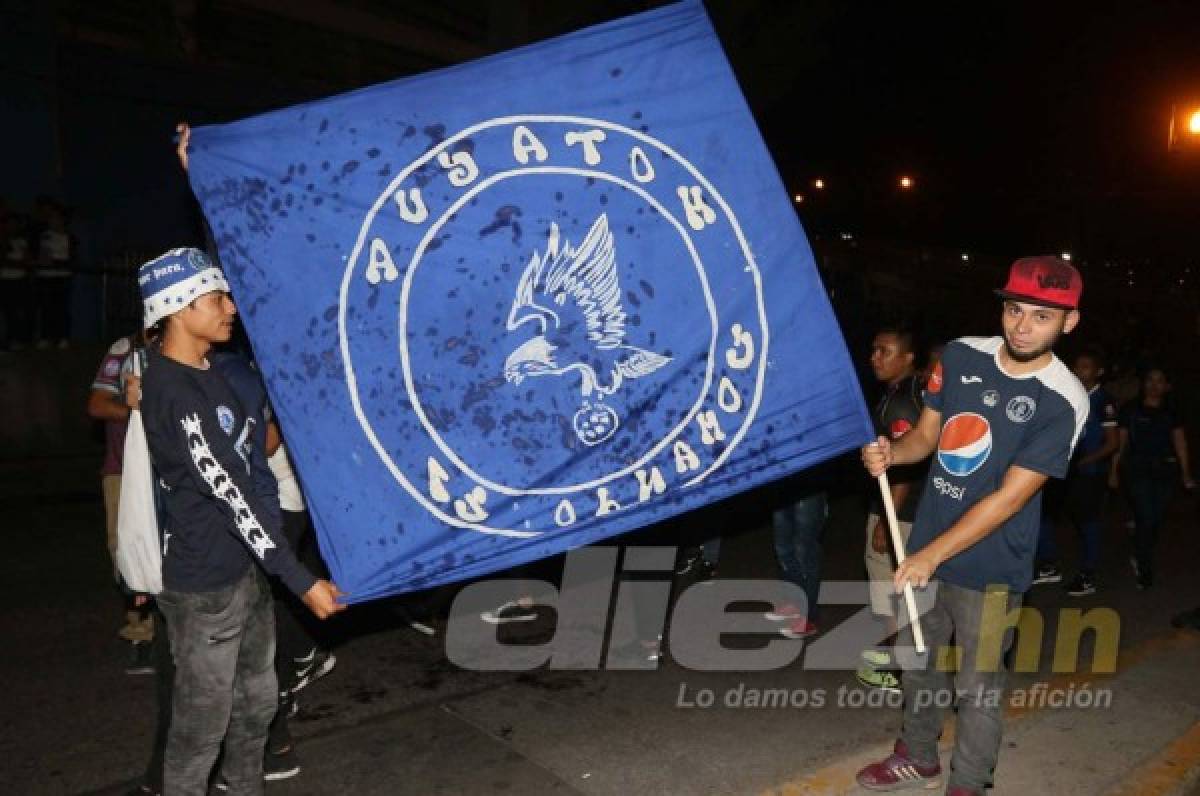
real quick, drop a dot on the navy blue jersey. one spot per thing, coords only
(1102, 415)
(992, 421)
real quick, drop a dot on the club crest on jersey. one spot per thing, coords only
(225, 418)
(1021, 409)
(990, 398)
(965, 443)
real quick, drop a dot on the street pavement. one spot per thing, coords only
(395, 716)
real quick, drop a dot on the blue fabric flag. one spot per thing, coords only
(519, 305)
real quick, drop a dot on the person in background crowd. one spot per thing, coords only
(796, 529)
(299, 658)
(932, 357)
(1151, 460)
(115, 392)
(892, 360)
(16, 262)
(55, 263)
(1086, 486)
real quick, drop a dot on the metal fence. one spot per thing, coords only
(120, 303)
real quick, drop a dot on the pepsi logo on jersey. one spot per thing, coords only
(965, 443)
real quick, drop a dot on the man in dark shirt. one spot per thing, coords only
(893, 362)
(1153, 453)
(1002, 414)
(218, 525)
(1084, 490)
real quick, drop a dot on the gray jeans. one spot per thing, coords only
(980, 623)
(223, 643)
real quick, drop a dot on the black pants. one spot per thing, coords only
(294, 634)
(1150, 493)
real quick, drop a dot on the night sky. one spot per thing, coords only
(1029, 127)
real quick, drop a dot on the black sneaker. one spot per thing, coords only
(1187, 619)
(691, 563)
(1047, 573)
(316, 665)
(1083, 585)
(141, 658)
(289, 705)
(511, 611)
(281, 765)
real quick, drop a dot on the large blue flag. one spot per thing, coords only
(519, 305)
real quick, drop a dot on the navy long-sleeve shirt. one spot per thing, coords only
(243, 378)
(217, 521)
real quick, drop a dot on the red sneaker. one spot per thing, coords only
(900, 772)
(798, 628)
(784, 613)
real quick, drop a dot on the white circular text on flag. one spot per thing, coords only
(549, 319)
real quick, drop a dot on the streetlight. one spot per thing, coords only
(819, 184)
(799, 198)
(906, 182)
(1184, 131)
(1066, 256)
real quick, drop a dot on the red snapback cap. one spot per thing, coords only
(1047, 281)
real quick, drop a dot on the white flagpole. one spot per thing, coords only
(910, 599)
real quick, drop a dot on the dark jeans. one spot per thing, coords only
(797, 533)
(1081, 500)
(1085, 507)
(977, 687)
(223, 644)
(1150, 493)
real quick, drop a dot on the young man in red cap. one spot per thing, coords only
(1002, 415)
